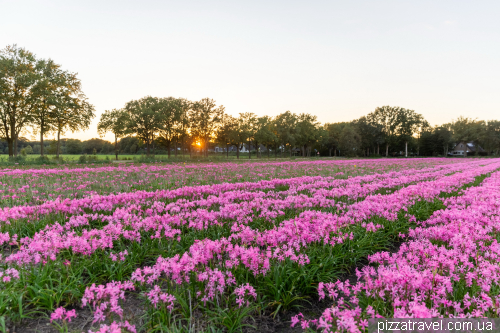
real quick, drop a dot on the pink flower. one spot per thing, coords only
(62, 314)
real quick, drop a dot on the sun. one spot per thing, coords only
(198, 143)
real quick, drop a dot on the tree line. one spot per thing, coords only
(38, 95)
(26, 146)
(181, 125)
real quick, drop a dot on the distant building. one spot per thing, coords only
(461, 147)
(232, 148)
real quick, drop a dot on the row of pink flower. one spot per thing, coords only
(109, 202)
(456, 249)
(34, 186)
(240, 207)
(144, 168)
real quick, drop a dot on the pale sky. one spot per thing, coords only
(338, 60)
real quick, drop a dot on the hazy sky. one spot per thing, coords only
(338, 60)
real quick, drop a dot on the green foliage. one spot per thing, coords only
(38, 93)
(87, 158)
(52, 150)
(284, 127)
(349, 141)
(74, 146)
(19, 73)
(143, 119)
(28, 149)
(205, 117)
(94, 146)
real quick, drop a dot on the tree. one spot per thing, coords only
(53, 148)
(144, 119)
(182, 126)
(306, 132)
(51, 77)
(334, 134)
(113, 121)
(238, 134)
(130, 144)
(205, 118)
(443, 138)
(491, 136)
(285, 129)
(71, 110)
(225, 132)
(95, 145)
(18, 76)
(248, 127)
(74, 146)
(387, 118)
(370, 134)
(170, 115)
(264, 134)
(408, 123)
(28, 149)
(349, 140)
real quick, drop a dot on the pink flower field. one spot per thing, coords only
(227, 247)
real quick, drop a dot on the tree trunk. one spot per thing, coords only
(268, 152)
(15, 146)
(249, 154)
(182, 146)
(13, 138)
(227, 150)
(11, 147)
(378, 149)
(290, 151)
(168, 149)
(175, 148)
(406, 148)
(386, 150)
(206, 146)
(116, 147)
(275, 152)
(58, 143)
(330, 152)
(41, 142)
(238, 151)
(335, 152)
